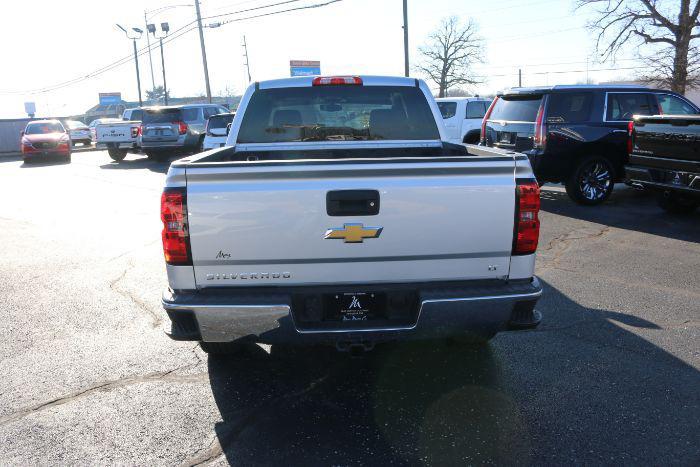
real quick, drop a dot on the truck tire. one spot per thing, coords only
(676, 204)
(117, 154)
(472, 137)
(223, 348)
(591, 182)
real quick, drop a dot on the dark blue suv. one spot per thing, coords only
(576, 135)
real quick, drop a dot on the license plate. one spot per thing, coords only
(505, 138)
(355, 306)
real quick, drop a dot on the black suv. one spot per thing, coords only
(576, 135)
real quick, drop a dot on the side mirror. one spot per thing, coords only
(228, 129)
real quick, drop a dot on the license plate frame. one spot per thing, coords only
(354, 307)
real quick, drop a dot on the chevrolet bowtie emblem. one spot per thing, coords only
(353, 233)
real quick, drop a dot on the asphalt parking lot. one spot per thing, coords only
(612, 376)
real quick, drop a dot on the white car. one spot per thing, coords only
(217, 131)
(462, 117)
(98, 121)
(337, 213)
(79, 132)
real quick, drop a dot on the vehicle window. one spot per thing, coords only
(161, 116)
(674, 105)
(570, 107)
(447, 109)
(209, 111)
(623, 106)
(476, 109)
(42, 128)
(136, 115)
(516, 108)
(191, 114)
(222, 110)
(73, 124)
(338, 113)
(219, 121)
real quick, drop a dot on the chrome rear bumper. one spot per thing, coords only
(444, 310)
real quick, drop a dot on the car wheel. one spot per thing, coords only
(592, 181)
(68, 158)
(676, 204)
(26, 160)
(117, 154)
(223, 348)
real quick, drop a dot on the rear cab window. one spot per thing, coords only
(338, 113)
(447, 109)
(622, 106)
(570, 107)
(517, 108)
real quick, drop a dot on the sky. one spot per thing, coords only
(48, 43)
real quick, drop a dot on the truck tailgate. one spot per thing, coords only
(669, 136)
(265, 223)
(114, 133)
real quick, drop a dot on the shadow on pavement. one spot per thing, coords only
(579, 388)
(137, 162)
(627, 209)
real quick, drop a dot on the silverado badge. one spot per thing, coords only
(353, 233)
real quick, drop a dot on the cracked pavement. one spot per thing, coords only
(610, 377)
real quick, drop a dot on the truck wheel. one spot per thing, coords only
(117, 154)
(676, 204)
(223, 348)
(591, 182)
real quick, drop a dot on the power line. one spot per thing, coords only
(177, 33)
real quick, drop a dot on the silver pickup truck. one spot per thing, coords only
(337, 214)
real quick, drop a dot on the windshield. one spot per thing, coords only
(42, 128)
(516, 108)
(338, 113)
(75, 125)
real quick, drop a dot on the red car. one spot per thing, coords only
(45, 138)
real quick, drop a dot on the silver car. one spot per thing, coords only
(175, 129)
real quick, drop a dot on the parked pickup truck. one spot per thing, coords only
(665, 157)
(336, 213)
(119, 137)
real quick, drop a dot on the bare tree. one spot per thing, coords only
(451, 51)
(667, 27)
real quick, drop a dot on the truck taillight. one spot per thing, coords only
(630, 137)
(540, 139)
(135, 131)
(482, 137)
(337, 80)
(181, 127)
(176, 240)
(527, 224)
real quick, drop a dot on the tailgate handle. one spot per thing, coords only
(352, 203)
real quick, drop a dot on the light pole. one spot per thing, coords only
(165, 28)
(149, 15)
(405, 38)
(138, 32)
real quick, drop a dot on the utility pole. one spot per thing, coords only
(150, 57)
(204, 51)
(520, 77)
(247, 60)
(405, 37)
(138, 75)
(162, 62)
